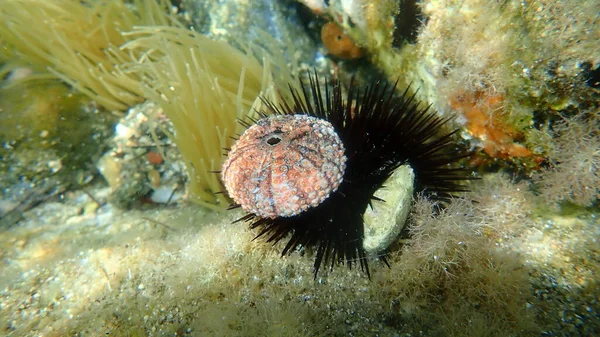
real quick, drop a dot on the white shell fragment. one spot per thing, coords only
(386, 219)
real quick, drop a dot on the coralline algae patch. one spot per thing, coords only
(485, 121)
(284, 165)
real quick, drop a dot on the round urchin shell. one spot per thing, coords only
(284, 165)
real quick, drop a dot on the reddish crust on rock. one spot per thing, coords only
(338, 43)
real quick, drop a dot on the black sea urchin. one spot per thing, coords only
(338, 151)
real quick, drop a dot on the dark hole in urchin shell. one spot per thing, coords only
(273, 140)
(380, 132)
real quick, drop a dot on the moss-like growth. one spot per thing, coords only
(457, 275)
(574, 171)
(485, 267)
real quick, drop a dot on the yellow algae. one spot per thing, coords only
(78, 42)
(205, 88)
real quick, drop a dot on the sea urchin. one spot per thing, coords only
(309, 170)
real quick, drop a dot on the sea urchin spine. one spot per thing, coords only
(309, 171)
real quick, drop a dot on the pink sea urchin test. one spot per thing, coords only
(283, 165)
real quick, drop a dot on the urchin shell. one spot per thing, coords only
(284, 165)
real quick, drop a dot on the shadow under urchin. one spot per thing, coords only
(380, 131)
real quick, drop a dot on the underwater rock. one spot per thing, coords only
(483, 267)
(49, 137)
(508, 70)
(266, 23)
(494, 263)
(143, 165)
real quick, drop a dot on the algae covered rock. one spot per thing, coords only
(143, 165)
(507, 69)
(267, 23)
